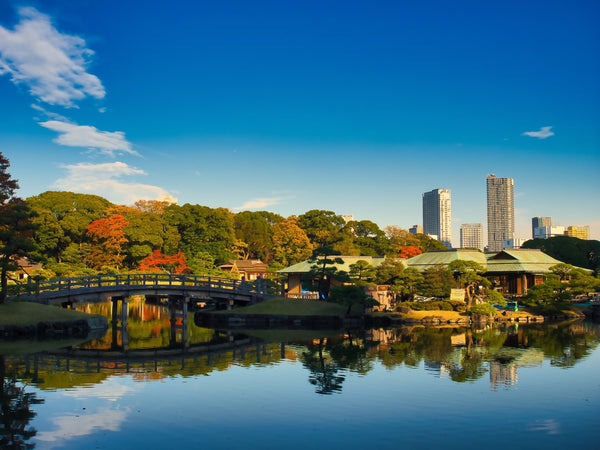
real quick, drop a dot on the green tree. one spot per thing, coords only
(351, 296)
(324, 271)
(256, 231)
(570, 250)
(361, 272)
(368, 238)
(62, 219)
(469, 275)
(437, 282)
(323, 228)
(407, 283)
(16, 227)
(203, 230)
(388, 270)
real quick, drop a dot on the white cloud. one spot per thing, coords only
(259, 203)
(106, 180)
(73, 135)
(71, 425)
(542, 134)
(51, 64)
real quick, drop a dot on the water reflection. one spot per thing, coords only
(95, 370)
(15, 411)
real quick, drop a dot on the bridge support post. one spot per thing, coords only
(176, 311)
(119, 322)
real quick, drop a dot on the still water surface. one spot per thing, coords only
(501, 387)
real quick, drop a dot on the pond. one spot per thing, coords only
(503, 386)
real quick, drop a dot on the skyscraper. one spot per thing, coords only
(500, 211)
(437, 215)
(471, 235)
(539, 222)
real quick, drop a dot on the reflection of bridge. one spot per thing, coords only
(197, 359)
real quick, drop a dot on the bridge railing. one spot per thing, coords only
(112, 282)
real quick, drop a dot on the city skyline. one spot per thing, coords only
(290, 107)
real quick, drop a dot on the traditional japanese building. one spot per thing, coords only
(247, 269)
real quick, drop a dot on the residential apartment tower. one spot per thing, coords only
(500, 211)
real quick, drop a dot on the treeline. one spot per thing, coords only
(79, 234)
(571, 250)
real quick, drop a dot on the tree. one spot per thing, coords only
(368, 238)
(469, 275)
(203, 230)
(108, 236)
(324, 270)
(409, 251)
(16, 227)
(571, 250)
(437, 282)
(388, 270)
(290, 243)
(62, 220)
(254, 229)
(351, 296)
(407, 283)
(361, 272)
(169, 264)
(323, 228)
(16, 239)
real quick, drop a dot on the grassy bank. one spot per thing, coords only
(25, 314)
(292, 307)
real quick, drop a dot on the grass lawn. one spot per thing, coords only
(291, 306)
(25, 313)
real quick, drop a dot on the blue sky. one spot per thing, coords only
(355, 107)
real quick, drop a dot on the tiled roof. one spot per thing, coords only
(305, 266)
(517, 260)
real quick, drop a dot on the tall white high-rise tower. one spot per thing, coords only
(437, 215)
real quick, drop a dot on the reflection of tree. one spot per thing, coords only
(15, 412)
(323, 371)
(563, 343)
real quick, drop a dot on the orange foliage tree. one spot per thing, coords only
(107, 236)
(159, 261)
(409, 251)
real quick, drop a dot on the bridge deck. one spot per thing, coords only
(103, 287)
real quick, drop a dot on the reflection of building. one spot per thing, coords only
(581, 232)
(500, 211)
(503, 374)
(248, 269)
(471, 235)
(437, 215)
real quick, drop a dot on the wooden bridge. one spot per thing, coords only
(223, 291)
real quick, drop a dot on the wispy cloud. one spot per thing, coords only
(259, 203)
(51, 64)
(107, 180)
(73, 135)
(71, 425)
(543, 133)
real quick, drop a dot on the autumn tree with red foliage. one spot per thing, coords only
(107, 236)
(170, 264)
(409, 251)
